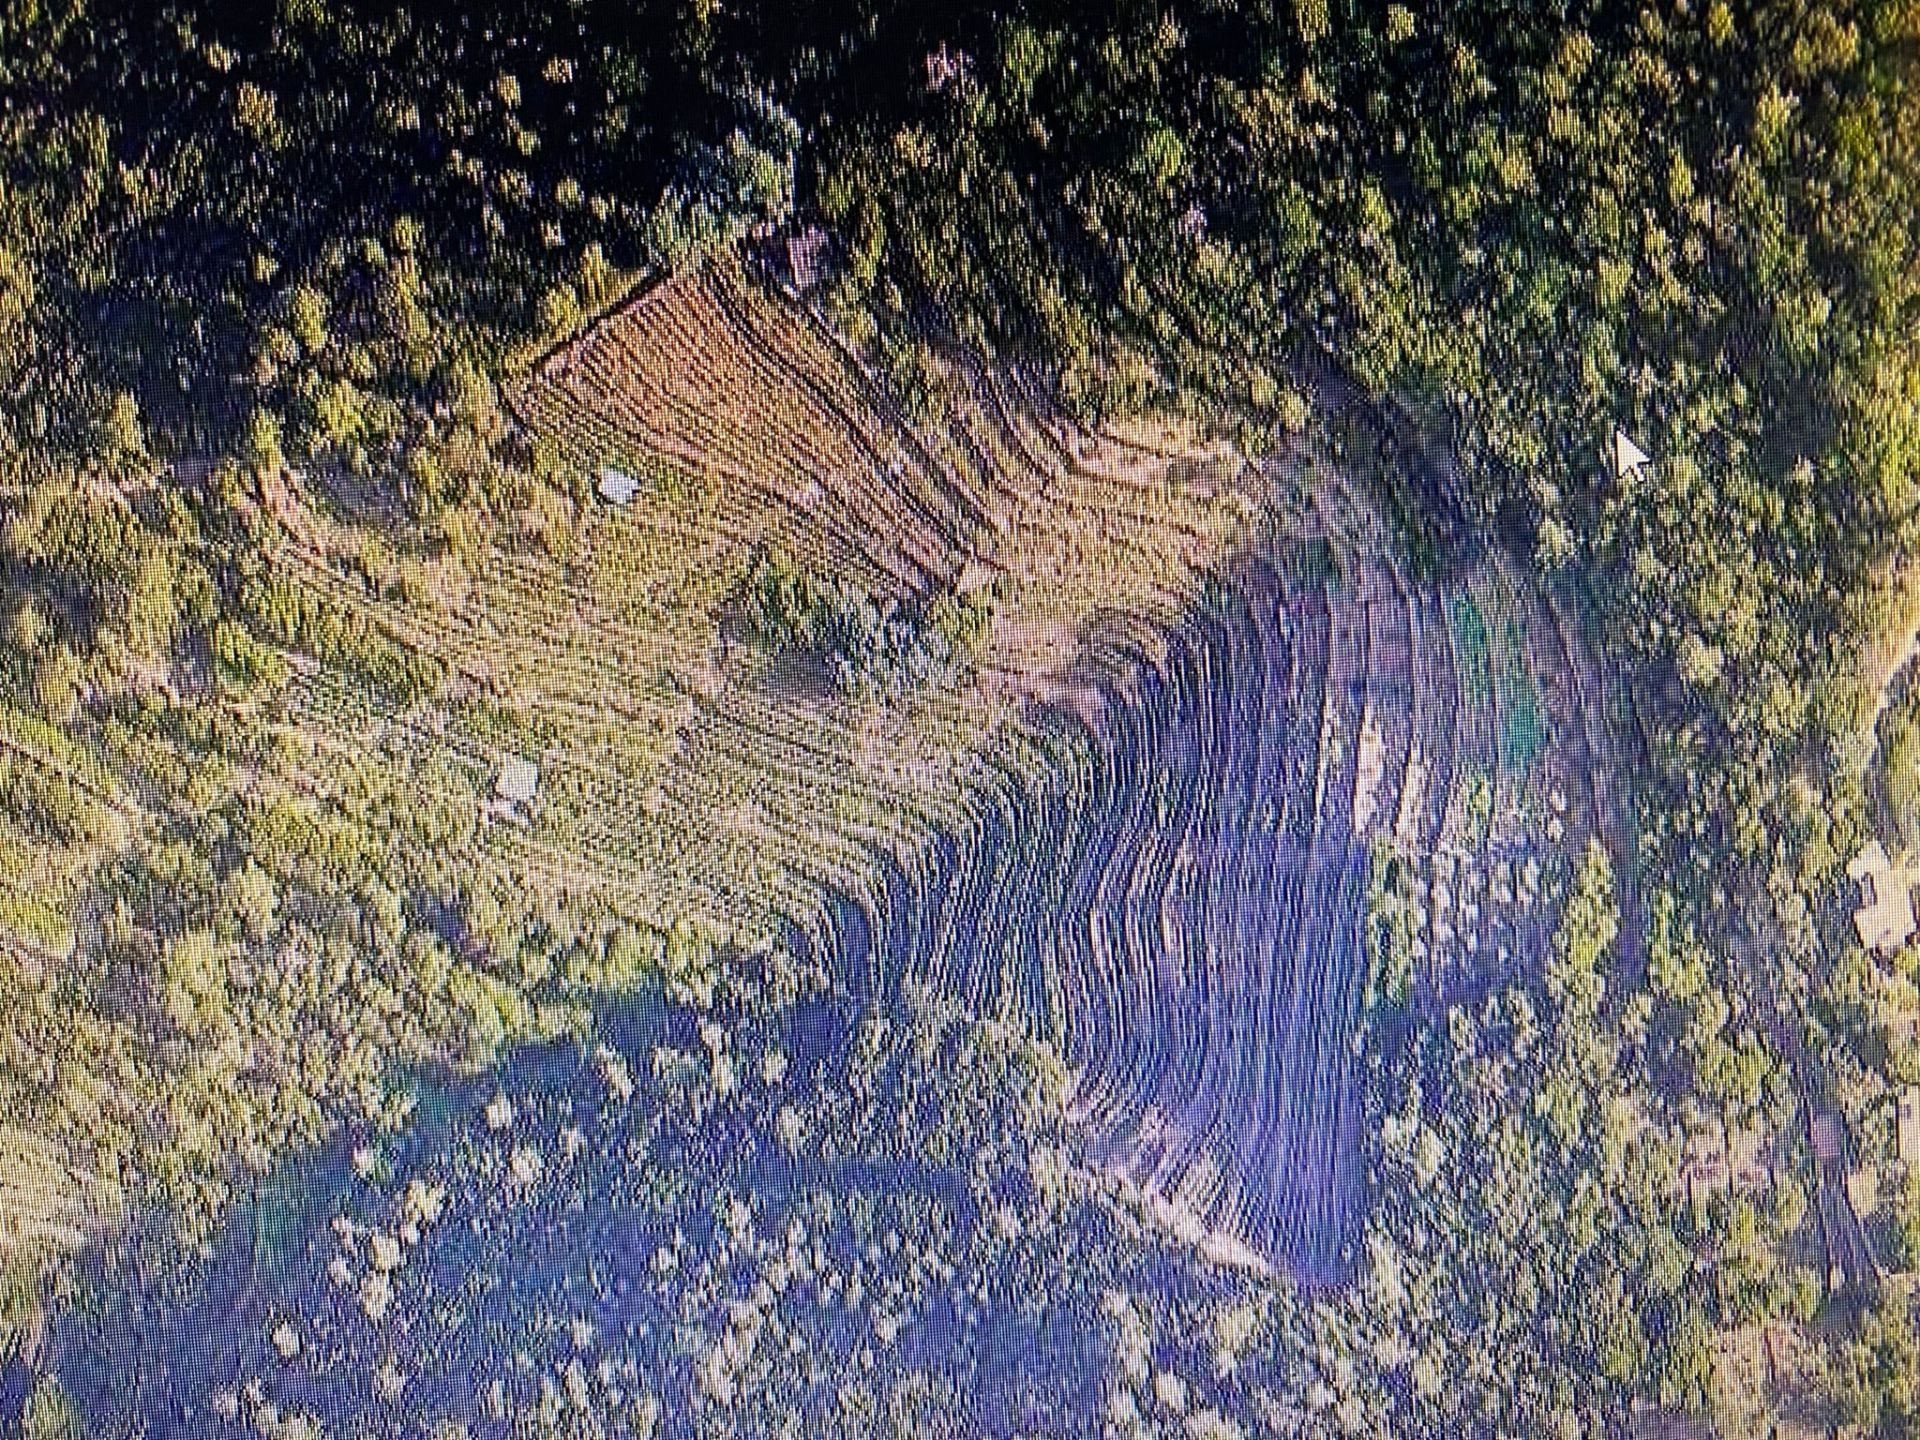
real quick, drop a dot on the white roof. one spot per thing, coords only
(518, 779)
(1885, 921)
(616, 486)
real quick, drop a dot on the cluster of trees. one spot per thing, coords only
(1539, 1256)
(870, 645)
(1527, 229)
(269, 969)
(776, 1216)
(319, 211)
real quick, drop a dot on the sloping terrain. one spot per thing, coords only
(1143, 824)
(1163, 864)
(1173, 887)
(760, 433)
(270, 875)
(1226, 788)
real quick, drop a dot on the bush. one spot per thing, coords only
(870, 647)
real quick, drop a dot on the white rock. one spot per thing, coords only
(789, 1127)
(388, 1380)
(579, 1391)
(613, 1068)
(1170, 1390)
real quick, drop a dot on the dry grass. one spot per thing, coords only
(46, 1201)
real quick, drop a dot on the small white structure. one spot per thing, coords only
(616, 486)
(1885, 919)
(517, 783)
(806, 258)
(946, 67)
(1628, 458)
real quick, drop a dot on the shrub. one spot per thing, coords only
(869, 646)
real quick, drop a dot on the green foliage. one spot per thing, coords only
(1472, 647)
(51, 805)
(292, 615)
(195, 982)
(1686, 1364)
(244, 663)
(1512, 1133)
(1906, 1223)
(1523, 725)
(1588, 928)
(1900, 761)
(1676, 964)
(868, 645)
(1876, 1377)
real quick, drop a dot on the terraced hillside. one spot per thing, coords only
(1145, 828)
(1164, 864)
(682, 777)
(1146, 823)
(759, 433)
(331, 770)
(1173, 886)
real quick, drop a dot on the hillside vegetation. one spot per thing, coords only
(1155, 347)
(1528, 225)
